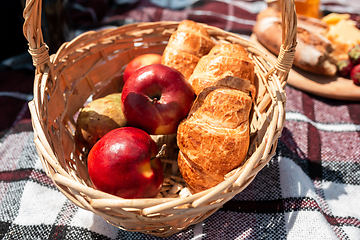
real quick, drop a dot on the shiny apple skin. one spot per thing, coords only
(156, 98)
(123, 163)
(140, 61)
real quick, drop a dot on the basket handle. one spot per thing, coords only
(32, 32)
(289, 38)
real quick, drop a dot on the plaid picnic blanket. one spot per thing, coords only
(309, 190)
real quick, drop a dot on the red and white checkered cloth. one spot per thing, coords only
(309, 190)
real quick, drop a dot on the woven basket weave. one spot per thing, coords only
(91, 65)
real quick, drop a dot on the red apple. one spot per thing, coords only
(124, 163)
(140, 61)
(156, 98)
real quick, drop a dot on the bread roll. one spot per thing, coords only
(313, 52)
(214, 139)
(186, 46)
(223, 60)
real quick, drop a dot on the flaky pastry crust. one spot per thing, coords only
(186, 46)
(223, 60)
(214, 139)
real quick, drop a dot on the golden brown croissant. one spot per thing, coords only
(214, 139)
(186, 46)
(223, 60)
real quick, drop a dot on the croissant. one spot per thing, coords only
(227, 59)
(186, 46)
(214, 138)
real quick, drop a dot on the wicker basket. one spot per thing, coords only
(91, 66)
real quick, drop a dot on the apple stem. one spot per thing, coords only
(154, 101)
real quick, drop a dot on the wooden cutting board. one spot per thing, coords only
(330, 87)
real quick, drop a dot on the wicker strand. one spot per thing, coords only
(39, 55)
(283, 62)
(285, 59)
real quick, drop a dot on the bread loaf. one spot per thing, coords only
(314, 50)
(214, 139)
(223, 60)
(186, 46)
